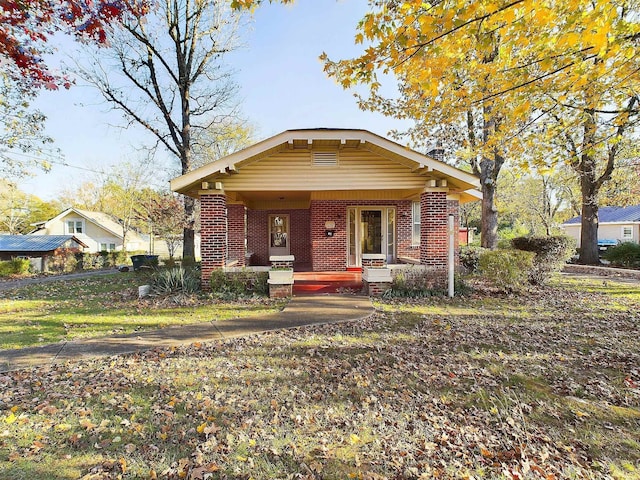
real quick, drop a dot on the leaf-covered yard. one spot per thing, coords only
(104, 305)
(543, 386)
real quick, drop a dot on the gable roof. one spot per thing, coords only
(103, 220)
(613, 215)
(189, 183)
(35, 243)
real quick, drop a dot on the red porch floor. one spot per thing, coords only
(326, 282)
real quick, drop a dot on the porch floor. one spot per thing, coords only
(325, 282)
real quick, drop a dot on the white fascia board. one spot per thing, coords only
(184, 181)
(422, 160)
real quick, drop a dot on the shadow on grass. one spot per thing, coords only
(398, 395)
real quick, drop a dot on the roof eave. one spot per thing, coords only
(188, 183)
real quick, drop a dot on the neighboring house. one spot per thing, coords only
(98, 230)
(615, 225)
(328, 197)
(40, 249)
(158, 246)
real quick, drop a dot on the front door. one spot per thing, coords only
(279, 242)
(370, 230)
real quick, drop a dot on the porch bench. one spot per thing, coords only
(412, 261)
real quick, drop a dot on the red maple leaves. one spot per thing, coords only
(26, 25)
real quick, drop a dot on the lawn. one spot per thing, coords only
(543, 385)
(102, 305)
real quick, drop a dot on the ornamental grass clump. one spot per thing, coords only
(175, 280)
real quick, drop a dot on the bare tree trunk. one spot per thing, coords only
(188, 245)
(589, 226)
(489, 171)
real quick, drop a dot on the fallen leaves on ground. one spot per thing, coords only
(538, 386)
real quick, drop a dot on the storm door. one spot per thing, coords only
(370, 230)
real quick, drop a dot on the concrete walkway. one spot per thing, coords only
(301, 310)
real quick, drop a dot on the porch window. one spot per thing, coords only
(415, 222)
(627, 234)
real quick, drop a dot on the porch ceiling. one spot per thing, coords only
(302, 199)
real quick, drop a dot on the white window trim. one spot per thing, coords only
(624, 237)
(415, 221)
(75, 225)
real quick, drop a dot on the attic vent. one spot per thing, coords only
(325, 159)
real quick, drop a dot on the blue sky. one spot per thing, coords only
(282, 86)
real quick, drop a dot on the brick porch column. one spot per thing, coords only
(433, 228)
(236, 226)
(213, 233)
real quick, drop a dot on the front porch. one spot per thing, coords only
(327, 197)
(328, 236)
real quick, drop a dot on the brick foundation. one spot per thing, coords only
(375, 289)
(280, 291)
(373, 262)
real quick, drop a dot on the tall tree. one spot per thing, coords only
(538, 201)
(479, 72)
(22, 138)
(623, 190)
(166, 73)
(19, 210)
(593, 129)
(26, 28)
(161, 210)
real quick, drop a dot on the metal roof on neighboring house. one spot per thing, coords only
(34, 243)
(613, 215)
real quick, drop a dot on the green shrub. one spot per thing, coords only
(506, 269)
(169, 262)
(417, 282)
(16, 266)
(237, 284)
(188, 261)
(551, 253)
(117, 258)
(470, 258)
(64, 262)
(175, 280)
(625, 254)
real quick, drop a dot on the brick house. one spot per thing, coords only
(327, 197)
